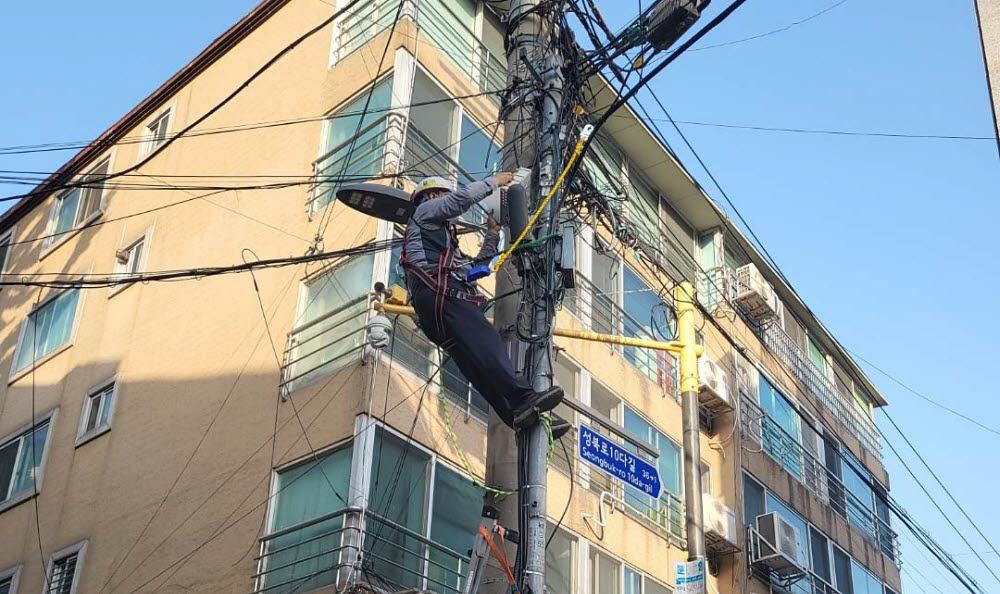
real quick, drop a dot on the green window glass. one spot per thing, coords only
(304, 558)
(454, 519)
(665, 511)
(47, 328)
(449, 24)
(330, 325)
(365, 158)
(780, 428)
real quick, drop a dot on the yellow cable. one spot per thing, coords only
(538, 212)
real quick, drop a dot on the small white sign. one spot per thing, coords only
(690, 577)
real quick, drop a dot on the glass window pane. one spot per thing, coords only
(655, 588)
(781, 428)
(366, 156)
(32, 448)
(398, 493)
(304, 494)
(820, 549)
(66, 211)
(559, 566)
(91, 196)
(478, 154)
(93, 412)
(633, 581)
(638, 302)
(4, 250)
(457, 510)
(8, 456)
(449, 25)
(333, 313)
(605, 285)
(753, 501)
(605, 574)
(842, 571)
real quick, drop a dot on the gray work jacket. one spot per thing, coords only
(430, 231)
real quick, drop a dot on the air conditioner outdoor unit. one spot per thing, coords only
(720, 526)
(713, 393)
(781, 546)
(754, 293)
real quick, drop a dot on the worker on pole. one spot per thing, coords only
(449, 306)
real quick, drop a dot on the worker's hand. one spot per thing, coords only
(503, 178)
(492, 223)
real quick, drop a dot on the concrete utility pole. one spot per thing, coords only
(527, 32)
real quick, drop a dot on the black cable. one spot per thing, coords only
(43, 189)
(321, 228)
(772, 32)
(569, 498)
(184, 558)
(31, 435)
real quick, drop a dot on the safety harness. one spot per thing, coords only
(440, 280)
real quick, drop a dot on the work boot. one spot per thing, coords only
(559, 427)
(527, 413)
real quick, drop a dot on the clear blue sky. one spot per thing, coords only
(888, 240)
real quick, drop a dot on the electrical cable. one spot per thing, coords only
(772, 32)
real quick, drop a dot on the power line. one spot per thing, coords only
(928, 399)
(835, 132)
(772, 32)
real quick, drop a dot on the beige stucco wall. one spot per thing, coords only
(989, 25)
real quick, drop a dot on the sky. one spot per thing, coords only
(886, 239)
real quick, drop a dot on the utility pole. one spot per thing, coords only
(684, 296)
(527, 31)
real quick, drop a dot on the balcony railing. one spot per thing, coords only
(720, 283)
(440, 26)
(310, 555)
(600, 312)
(324, 344)
(809, 470)
(365, 160)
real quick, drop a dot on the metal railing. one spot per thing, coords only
(413, 351)
(720, 284)
(324, 344)
(365, 160)
(307, 556)
(441, 27)
(812, 472)
(601, 312)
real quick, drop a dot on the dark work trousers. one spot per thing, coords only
(475, 347)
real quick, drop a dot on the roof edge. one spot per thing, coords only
(219, 47)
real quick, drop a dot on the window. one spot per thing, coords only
(5, 240)
(560, 569)
(130, 260)
(21, 458)
(478, 153)
(706, 479)
(48, 327)
(842, 570)
(773, 504)
(818, 357)
(638, 301)
(753, 501)
(155, 133)
(819, 548)
(77, 206)
(330, 324)
(360, 25)
(9, 579)
(98, 406)
(864, 582)
(780, 430)
(294, 561)
(666, 511)
(644, 210)
(605, 574)
(610, 576)
(63, 574)
(369, 144)
(450, 24)
(399, 495)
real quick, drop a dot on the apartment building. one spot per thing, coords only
(988, 17)
(218, 435)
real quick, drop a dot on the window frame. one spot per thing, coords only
(14, 373)
(82, 434)
(80, 550)
(18, 433)
(594, 550)
(148, 145)
(14, 575)
(51, 241)
(7, 237)
(121, 270)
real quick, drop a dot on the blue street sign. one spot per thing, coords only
(601, 452)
